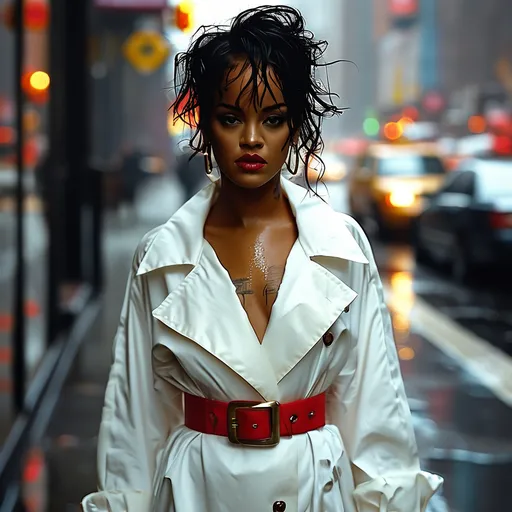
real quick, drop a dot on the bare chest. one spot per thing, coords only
(256, 265)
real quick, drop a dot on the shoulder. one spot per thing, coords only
(357, 232)
(144, 246)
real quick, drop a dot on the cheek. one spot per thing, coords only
(222, 136)
(280, 144)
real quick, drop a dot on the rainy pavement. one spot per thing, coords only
(451, 341)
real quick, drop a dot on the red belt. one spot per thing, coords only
(254, 423)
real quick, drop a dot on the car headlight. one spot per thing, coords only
(401, 198)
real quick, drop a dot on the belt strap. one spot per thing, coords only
(254, 423)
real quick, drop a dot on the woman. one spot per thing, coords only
(254, 365)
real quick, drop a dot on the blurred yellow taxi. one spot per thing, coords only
(388, 181)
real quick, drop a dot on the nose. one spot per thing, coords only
(251, 137)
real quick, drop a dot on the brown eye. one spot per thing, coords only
(228, 120)
(275, 121)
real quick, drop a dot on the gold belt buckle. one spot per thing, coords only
(273, 408)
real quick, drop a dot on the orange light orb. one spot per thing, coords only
(477, 124)
(393, 131)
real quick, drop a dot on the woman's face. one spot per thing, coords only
(249, 139)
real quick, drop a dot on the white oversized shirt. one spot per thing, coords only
(183, 329)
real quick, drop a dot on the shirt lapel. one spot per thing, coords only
(311, 296)
(309, 301)
(206, 309)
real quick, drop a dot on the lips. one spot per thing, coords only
(251, 162)
(251, 159)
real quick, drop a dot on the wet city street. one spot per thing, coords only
(114, 113)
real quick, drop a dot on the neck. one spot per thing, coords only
(243, 207)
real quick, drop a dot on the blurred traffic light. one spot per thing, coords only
(35, 85)
(39, 80)
(183, 16)
(36, 14)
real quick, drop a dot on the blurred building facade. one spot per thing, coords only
(361, 27)
(128, 56)
(449, 59)
(475, 65)
(73, 97)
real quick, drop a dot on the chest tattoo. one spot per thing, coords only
(243, 288)
(274, 278)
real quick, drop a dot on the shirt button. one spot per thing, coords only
(328, 338)
(279, 506)
(328, 486)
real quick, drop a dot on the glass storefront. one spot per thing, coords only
(50, 219)
(33, 136)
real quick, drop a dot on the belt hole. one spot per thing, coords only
(293, 418)
(213, 419)
(254, 425)
(311, 414)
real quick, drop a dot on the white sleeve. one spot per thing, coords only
(135, 421)
(369, 406)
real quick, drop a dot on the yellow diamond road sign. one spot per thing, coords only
(146, 50)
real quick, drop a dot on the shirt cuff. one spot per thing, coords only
(397, 492)
(117, 501)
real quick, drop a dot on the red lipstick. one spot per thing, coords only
(249, 162)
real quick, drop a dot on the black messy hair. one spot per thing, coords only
(271, 39)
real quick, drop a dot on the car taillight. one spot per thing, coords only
(500, 220)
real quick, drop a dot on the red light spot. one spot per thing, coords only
(32, 308)
(6, 322)
(33, 467)
(7, 135)
(5, 355)
(411, 113)
(503, 145)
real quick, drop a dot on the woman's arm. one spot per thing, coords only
(369, 406)
(135, 421)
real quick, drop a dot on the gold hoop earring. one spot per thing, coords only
(208, 166)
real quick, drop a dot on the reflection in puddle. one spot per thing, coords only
(462, 429)
(400, 303)
(406, 353)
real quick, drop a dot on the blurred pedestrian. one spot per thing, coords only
(131, 174)
(255, 367)
(190, 172)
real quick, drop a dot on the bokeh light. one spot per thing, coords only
(371, 126)
(40, 80)
(406, 353)
(477, 124)
(393, 131)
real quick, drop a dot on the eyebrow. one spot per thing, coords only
(276, 106)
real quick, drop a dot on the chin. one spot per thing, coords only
(249, 180)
